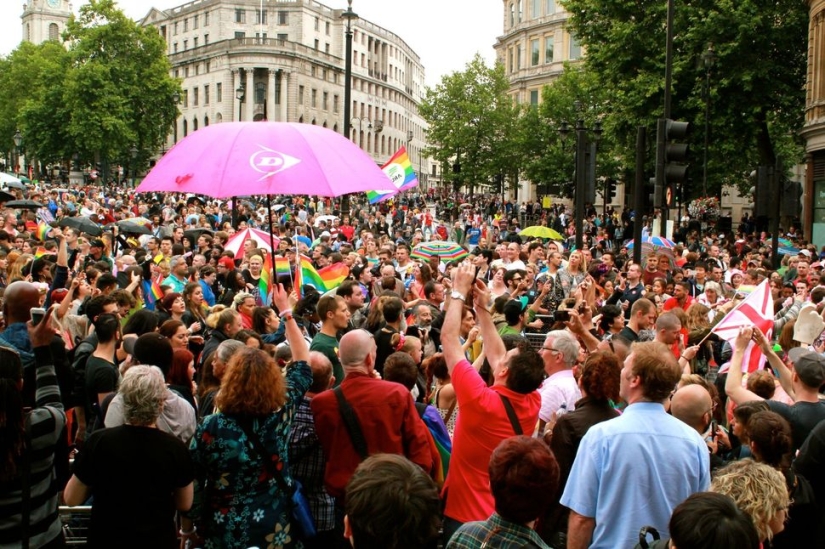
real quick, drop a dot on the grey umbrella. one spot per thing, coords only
(82, 224)
(24, 204)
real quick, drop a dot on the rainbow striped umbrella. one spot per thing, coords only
(446, 251)
(655, 241)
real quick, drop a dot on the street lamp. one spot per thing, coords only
(176, 100)
(18, 140)
(133, 152)
(350, 16)
(240, 93)
(582, 143)
(708, 60)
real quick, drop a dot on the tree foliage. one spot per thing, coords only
(111, 91)
(472, 122)
(756, 83)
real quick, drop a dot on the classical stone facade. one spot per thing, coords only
(288, 60)
(534, 47)
(45, 20)
(813, 205)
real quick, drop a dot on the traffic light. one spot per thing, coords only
(671, 158)
(610, 190)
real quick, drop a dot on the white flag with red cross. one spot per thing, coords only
(756, 311)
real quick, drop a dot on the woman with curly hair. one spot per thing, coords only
(599, 383)
(759, 490)
(238, 502)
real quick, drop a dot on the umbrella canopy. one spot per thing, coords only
(446, 251)
(193, 234)
(82, 224)
(142, 221)
(656, 241)
(6, 197)
(261, 238)
(539, 231)
(326, 218)
(787, 250)
(24, 204)
(133, 228)
(265, 158)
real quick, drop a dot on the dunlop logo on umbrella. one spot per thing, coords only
(270, 162)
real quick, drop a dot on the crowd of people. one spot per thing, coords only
(521, 393)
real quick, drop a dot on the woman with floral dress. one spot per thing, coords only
(238, 502)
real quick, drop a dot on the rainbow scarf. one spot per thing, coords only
(265, 282)
(43, 230)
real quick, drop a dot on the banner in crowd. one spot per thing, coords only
(755, 311)
(400, 170)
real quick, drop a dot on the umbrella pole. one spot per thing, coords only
(272, 272)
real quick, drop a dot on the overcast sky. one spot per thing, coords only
(445, 33)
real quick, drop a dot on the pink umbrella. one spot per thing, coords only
(261, 239)
(257, 158)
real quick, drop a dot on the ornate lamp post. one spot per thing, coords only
(350, 16)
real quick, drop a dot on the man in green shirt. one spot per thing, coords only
(334, 314)
(516, 317)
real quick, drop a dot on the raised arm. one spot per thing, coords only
(493, 345)
(784, 373)
(733, 385)
(300, 349)
(450, 343)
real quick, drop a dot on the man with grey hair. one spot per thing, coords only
(177, 277)
(139, 476)
(559, 392)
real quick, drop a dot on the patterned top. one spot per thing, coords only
(307, 463)
(495, 533)
(449, 422)
(237, 501)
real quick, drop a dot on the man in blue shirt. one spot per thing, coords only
(632, 471)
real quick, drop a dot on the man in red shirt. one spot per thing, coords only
(681, 297)
(484, 418)
(385, 413)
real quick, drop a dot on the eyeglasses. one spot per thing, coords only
(519, 279)
(551, 349)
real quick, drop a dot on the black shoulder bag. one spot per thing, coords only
(299, 506)
(511, 414)
(352, 424)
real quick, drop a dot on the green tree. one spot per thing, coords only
(472, 122)
(119, 90)
(757, 84)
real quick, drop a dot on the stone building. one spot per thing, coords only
(45, 20)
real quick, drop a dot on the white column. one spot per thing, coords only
(249, 110)
(270, 96)
(284, 95)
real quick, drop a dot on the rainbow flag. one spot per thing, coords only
(745, 289)
(282, 266)
(40, 252)
(334, 275)
(265, 282)
(379, 196)
(42, 231)
(400, 170)
(307, 275)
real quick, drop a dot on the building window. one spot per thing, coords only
(175, 47)
(205, 39)
(510, 60)
(326, 47)
(54, 32)
(512, 15)
(335, 104)
(520, 10)
(575, 48)
(317, 43)
(518, 57)
(283, 37)
(175, 28)
(240, 15)
(185, 45)
(535, 55)
(259, 35)
(194, 124)
(312, 71)
(185, 25)
(314, 103)
(551, 7)
(535, 8)
(206, 95)
(317, 24)
(260, 17)
(186, 71)
(208, 66)
(325, 99)
(185, 98)
(195, 22)
(326, 28)
(548, 49)
(534, 97)
(195, 42)
(283, 18)
(300, 95)
(260, 93)
(177, 73)
(185, 127)
(206, 19)
(219, 92)
(197, 69)
(239, 35)
(195, 96)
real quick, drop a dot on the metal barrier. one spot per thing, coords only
(76, 522)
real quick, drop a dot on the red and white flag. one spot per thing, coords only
(756, 311)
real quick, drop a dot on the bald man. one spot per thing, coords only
(383, 413)
(693, 405)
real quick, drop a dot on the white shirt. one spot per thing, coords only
(559, 394)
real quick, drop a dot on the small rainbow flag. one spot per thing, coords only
(745, 289)
(400, 170)
(265, 282)
(43, 230)
(379, 196)
(334, 275)
(281, 266)
(40, 252)
(307, 275)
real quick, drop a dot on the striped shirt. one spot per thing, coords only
(44, 424)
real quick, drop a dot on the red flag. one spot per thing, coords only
(756, 311)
